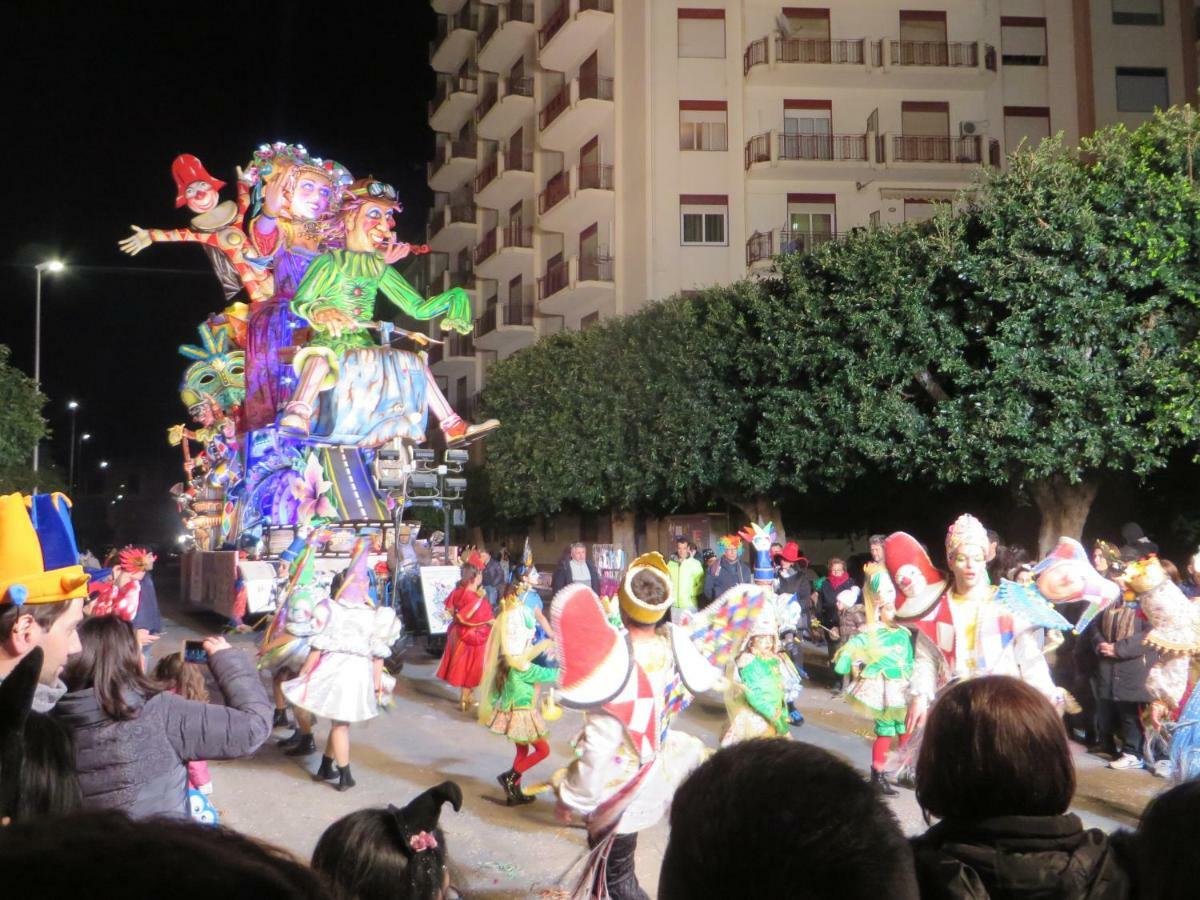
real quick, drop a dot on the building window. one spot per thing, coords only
(1023, 41)
(703, 125)
(873, 221)
(1141, 90)
(1137, 12)
(1030, 124)
(589, 320)
(703, 219)
(810, 222)
(702, 33)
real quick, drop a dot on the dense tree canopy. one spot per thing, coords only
(21, 424)
(1042, 334)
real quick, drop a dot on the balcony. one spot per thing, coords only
(507, 326)
(455, 38)
(505, 252)
(505, 31)
(920, 148)
(578, 281)
(767, 61)
(955, 55)
(451, 228)
(581, 109)
(762, 246)
(776, 154)
(572, 31)
(501, 112)
(503, 180)
(453, 102)
(454, 357)
(453, 165)
(574, 199)
(770, 54)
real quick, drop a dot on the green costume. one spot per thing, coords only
(880, 691)
(762, 680)
(348, 281)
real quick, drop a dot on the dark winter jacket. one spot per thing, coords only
(1018, 858)
(139, 765)
(827, 609)
(147, 615)
(1122, 677)
(562, 576)
(721, 575)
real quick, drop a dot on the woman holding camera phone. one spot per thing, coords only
(133, 738)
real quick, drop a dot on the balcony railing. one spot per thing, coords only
(797, 50)
(758, 149)
(459, 345)
(487, 99)
(463, 149)
(557, 19)
(489, 21)
(848, 147)
(518, 235)
(556, 189)
(464, 278)
(792, 241)
(960, 54)
(451, 84)
(516, 11)
(597, 88)
(521, 86)
(513, 312)
(596, 176)
(760, 246)
(596, 266)
(755, 55)
(486, 247)
(934, 148)
(487, 173)
(454, 21)
(554, 280)
(554, 107)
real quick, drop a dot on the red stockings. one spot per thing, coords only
(529, 755)
(879, 752)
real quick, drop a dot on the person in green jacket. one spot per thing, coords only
(687, 577)
(509, 702)
(880, 657)
(337, 299)
(756, 701)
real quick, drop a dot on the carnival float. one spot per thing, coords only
(306, 400)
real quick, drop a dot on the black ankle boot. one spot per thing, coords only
(326, 771)
(291, 740)
(304, 746)
(881, 784)
(281, 719)
(519, 796)
(345, 780)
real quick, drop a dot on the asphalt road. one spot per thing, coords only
(502, 852)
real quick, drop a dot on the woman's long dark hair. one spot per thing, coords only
(48, 783)
(110, 663)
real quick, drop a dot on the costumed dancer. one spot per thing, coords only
(302, 611)
(628, 761)
(343, 678)
(963, 632)
(755, 698)
(880, 657)
(121, 595)
(508, 704)
(466, 638)
(786, 613)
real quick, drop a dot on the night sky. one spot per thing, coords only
(100, 98)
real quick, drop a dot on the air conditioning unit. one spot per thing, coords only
(970, 129)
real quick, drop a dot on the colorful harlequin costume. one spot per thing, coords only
(302, 612)
(508, 705)
(120, 595)
(756, 697)
(963, 635)
(881, 659)
(628, 760)
(341, 685)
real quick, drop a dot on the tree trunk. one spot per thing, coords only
(624, 533)
(762, 508)
(1064, 508)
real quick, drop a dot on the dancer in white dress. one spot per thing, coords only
(343, 678)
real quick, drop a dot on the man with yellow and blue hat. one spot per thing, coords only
(42, 588)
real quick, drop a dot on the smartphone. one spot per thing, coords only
(194, 652)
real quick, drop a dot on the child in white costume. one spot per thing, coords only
(343, 678)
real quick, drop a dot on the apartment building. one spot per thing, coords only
(596, 155)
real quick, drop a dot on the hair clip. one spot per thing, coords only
(423, 840)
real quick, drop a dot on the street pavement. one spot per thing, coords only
(502, 852)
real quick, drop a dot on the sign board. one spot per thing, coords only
(436, 584)
(259, 581)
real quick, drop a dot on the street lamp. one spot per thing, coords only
(72, 408)
(52, 266)
(104, 463)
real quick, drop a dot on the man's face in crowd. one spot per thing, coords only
(969, 566)
(732, 552)
(682, 550)
(58, 642)
(579, 554)
(837, 570)
(877, 552)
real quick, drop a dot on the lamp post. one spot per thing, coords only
(83, 439)
(53, 266)
(72, 408)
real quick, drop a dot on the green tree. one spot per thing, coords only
(1040, 338)
(21, 425)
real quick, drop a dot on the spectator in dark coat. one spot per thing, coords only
(727, 570)
(493, 579)
(575, 567)
(1123, 660)
(147, 621)
(841, 620)
(133, 738)
(995, 767)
